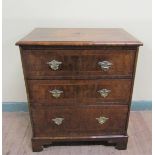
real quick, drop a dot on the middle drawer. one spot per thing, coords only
(68, 92)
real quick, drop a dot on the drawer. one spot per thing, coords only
(96, 120)
(69, 92)
(60, 64)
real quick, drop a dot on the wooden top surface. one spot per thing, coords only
(79, 37)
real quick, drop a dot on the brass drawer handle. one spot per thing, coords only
(105, 65)
(58, 121)
(104, 92)
(102, 119)
(56, 93)
(54, 64)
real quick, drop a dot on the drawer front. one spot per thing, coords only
(68, 92)
(61, 121)
(77, 63)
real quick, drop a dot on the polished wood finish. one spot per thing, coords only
(85, 124)
(79, 92)
(18, 143)
(79, 77)
(77, 63)
(79, 37)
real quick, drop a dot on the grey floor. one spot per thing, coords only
(17, 135)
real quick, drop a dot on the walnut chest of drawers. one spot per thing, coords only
(79, 84)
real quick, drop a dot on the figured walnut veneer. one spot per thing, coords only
(79, 84)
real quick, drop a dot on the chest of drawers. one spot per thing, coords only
(79, 84)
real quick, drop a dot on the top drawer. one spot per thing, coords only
(57, 64)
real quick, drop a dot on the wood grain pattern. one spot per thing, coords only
(76, 92)
(18, 143)
(79, 121)
(77, 63)
(79, 77)
(79, 37)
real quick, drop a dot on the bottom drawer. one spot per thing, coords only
(90, 120)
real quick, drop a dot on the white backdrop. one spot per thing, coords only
(21, 16)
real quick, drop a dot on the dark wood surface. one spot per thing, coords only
(79, 37)
(79, 121)
(77, 63)
(80, 77)
(119, 141)
(77, 92)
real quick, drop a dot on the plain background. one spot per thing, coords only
(21, 16)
